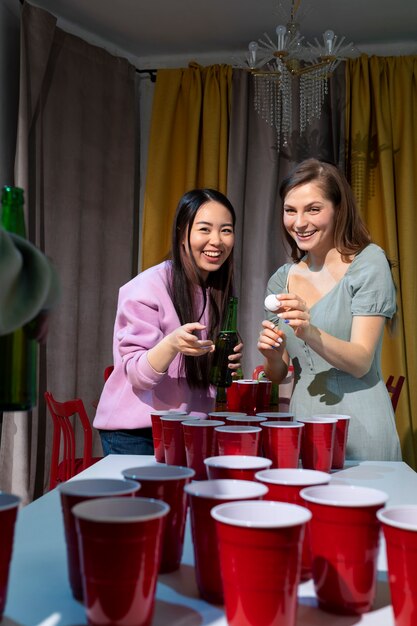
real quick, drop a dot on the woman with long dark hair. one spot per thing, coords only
(167, 320)
(332, 304)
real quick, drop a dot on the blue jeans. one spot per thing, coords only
(136, 441)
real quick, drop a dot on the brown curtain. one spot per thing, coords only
(187, 147)
(76, 163)
(256, 167)
(382, 166)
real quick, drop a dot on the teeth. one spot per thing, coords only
(212, 254)
(306, 234)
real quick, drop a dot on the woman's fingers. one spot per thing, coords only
(294, 311)
(270, 336)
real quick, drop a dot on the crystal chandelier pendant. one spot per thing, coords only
(288, 64)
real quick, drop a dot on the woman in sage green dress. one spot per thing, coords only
(332, 305)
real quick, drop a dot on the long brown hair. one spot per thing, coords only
(350, 232)
(186, 275)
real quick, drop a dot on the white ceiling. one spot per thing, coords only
(155, 33)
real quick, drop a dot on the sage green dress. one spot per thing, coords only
(367, 288)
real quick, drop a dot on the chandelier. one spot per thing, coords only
(289, 65)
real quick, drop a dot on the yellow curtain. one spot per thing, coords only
(188, 147)
(381, 123)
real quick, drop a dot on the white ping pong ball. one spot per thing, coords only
(271, 303)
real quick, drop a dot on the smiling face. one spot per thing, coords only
(309, 218)
(211, 237)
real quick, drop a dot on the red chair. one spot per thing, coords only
(64, 463)
(258, 372)
(108, 371)
(395, 390)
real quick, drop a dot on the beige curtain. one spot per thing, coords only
(187, 147)
(76, 163)
(382, 165)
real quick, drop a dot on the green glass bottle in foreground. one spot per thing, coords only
(227, 339)
(18, 352)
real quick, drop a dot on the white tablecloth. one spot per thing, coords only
(39, 592)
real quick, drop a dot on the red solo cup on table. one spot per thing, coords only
(235, 466)
(317, 443)
(173, 438)
(399, 524)
(203, 496)
(75, 491)
(120, 546)
(9, 505)
(344, 539)
(200, 440)
(244, 440)
(276, 416)
(232, 397)
(222, 415)
(247, 390)
(244, 420)
(166, 482)
(263, 395)
(260, 555)
(282, 442)
(284, 485)
(340, 437)
(158, 442)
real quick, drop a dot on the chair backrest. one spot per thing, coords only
(395, 389)
(64, 438)
(108, 371)
(258, 372)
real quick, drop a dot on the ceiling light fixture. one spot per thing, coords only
(288, 65)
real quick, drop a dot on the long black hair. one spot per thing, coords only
(186, 276)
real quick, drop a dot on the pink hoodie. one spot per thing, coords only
(145, 314)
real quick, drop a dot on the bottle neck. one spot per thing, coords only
(230, 322)
(12, 215)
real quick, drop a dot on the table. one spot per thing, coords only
(39, 592)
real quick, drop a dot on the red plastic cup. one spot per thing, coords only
(222, 415)
(241, 396)
(166, 482)
(73, 492)
(281, 442)
(158, 442)
(276, 416)
(173, 438)
(120, 545)
(317, 443)
(235, 466)
(344, 539)
(232, 397)
(284, 485)
(244, 440)
(9, 505)
(200, 439)
(399, 524)
(340, 438)
(263, 395)
(244, 420)
(203, 496)
(247, 390)
(260, 555)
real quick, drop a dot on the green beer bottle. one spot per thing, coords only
(227, 339)
(18, 352)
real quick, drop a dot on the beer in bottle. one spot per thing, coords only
(18, 352)
(227, 339)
